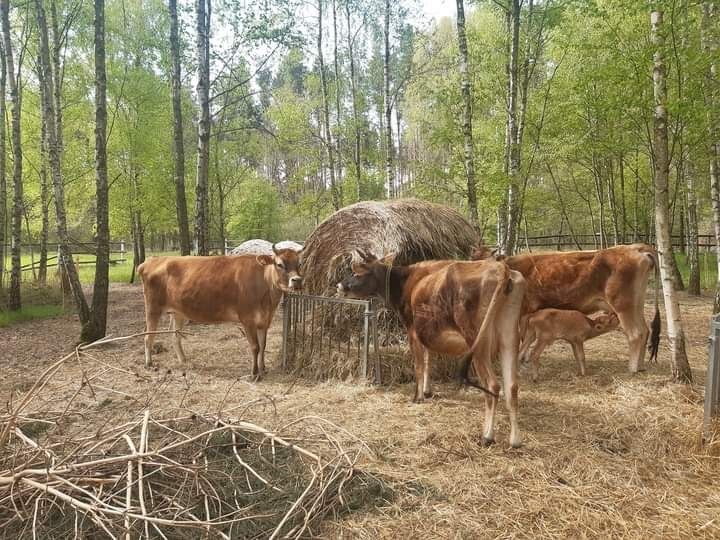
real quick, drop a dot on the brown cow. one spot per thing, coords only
(549, 325)
(612, 279)
(453, 308)
(244, 289)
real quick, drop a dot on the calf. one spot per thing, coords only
(245, 289)
(549, 325)
(453, 308)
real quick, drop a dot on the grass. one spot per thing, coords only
(28, 313)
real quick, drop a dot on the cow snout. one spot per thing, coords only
(296, 282)
(340, 288)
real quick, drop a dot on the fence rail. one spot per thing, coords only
(593, 241)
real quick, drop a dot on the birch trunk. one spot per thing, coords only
(514, 151)
(203, 12)
(44, 199)
(3, 177)
(14, 300)
(65, 260)
(178, 141)
(326, 112)
(338, 108)
(466, 93)
(679, 362)
(387, 104)
(693, 286)
(96, 326)
(356, 119)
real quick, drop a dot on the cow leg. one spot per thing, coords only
(636, 329)
(527, 342)
(509, 363)
(152, 318)
(178, 324)
(540, 345)
(251, 335)
(484, 371)
(261, 339)
(579, 353)
(420, 356)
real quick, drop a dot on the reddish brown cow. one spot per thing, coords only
(549, 325)
(612, 279)
(244, 289)
(453, 308)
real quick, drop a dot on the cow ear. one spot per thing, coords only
(367, 257)
(388, 259)
(358, 267)
(264, 260)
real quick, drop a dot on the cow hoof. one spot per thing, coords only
(418, 399)
(428, 394)
(485, 442)
(257, 377)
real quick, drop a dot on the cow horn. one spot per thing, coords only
(275, 251)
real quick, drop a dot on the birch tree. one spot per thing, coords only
(13, 80)
(3, 177)
(679, 362)
(202, 222)
(387, 106)
(178, 142)
(328, 142)
(467, 115)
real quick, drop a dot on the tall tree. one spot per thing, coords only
(467, 115)
(356, 117)
(96, 326)
(202, 222)
(179, 146)
(709, 37)
(44, 196)
(338, 98)
(679, 362)
(13, 79)
(3, 178)
(387, 105)
(65, 258)
(513, 152)
(326, 113)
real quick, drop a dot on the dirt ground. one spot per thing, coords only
(607, 455)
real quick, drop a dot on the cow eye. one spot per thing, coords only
(281, 266)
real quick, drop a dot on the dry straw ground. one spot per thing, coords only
(608, 455)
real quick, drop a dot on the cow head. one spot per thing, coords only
(605, 322)
(482, 252)
(368, 277)
(285, 267)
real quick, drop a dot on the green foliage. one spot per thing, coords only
(257, 214)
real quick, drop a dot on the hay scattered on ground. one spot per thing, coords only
(168, 475)
(413, 230)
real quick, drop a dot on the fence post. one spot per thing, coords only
(226, 247)
(366, 340)
(285, 330)
(122, 251)
(376, 355)
(712, 381)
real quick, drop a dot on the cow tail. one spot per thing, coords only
(655, 326)
(482, 335)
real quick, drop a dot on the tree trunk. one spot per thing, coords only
(65, 259)
(44, 198)
(621, 171)
(514, 151)
(3, 178)
(693, 287)
(96, 326)
(356, 118)
(326, 112)
(710, 48)
(203, 157)
(178, 142)
(57, 72)
(14, 301)
(338, 109)
(679, 362)
(466, 93)
(387, 104)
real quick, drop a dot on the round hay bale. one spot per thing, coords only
(413, 230)
(258, 246)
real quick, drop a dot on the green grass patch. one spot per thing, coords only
(29, 313)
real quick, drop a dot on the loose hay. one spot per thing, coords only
(170, 476)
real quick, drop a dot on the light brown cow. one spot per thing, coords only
(612, 279)
(453, 308)
(546, 326)
(244, 289)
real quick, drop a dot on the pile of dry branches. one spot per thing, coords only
(168, 476)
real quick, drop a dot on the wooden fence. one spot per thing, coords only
(594, 241)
